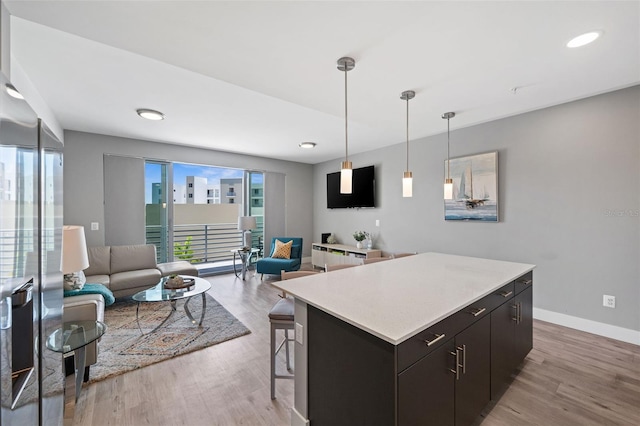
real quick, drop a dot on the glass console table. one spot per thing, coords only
(245, 257)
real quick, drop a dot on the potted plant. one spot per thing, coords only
(359, 236)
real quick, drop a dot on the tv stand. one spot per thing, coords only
(339, 254)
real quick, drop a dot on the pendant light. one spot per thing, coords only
(407, 178)
(448, 182)
(346, 170)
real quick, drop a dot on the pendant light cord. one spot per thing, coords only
(346, 121)
(407, 133)
(448, 175)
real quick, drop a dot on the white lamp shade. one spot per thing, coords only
(407, 187)
(346, 176)
(74, 249)
(246, 223)
(448, 191)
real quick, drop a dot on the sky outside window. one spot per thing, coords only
(181, 171)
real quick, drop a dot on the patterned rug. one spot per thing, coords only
(123, 348)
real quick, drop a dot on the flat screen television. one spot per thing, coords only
(363, 193)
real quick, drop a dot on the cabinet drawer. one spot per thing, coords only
(524, 282)
(477, 310)
(493, 300)
(417, 346)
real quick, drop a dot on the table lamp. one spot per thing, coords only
(246, 224)
(74, 257)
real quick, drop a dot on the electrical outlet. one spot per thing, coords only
(299, 335)
(95, 226)
(609, 301)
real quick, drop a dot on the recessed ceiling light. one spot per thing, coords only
(13, 92)
(584, 39)
(307, 145)
(150, 114)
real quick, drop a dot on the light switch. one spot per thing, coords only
(95, 226)
(299, 333)
(377, 222)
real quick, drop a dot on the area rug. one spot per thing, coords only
(123, 348)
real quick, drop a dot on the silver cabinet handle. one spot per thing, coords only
(438, 337)
(506, 294)
(518, 308)
(525, 282)
(519, 312)
(463, 349)
(457, 370)
(478, 312)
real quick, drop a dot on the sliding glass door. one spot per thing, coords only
(255, 205)
(192, 211)
(159, 208)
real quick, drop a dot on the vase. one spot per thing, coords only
(369, 244)
(359, 244)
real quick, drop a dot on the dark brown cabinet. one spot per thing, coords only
(511, 334)
(503, 360)
(444, 375)
(450, 386)
(426, 389)
(524, 324)
(472, 392)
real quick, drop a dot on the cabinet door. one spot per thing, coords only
(503, 360)
(318, 257)
(474, 385)
(524, 325)
(426, 390)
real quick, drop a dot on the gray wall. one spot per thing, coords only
(84, 186)
(569, 189)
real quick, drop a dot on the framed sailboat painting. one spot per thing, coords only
(475, 188)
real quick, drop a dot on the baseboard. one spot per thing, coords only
(298, 419)
(306, 259)
(599, 328)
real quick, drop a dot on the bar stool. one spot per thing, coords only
(280, 318)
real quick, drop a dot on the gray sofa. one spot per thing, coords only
(126, 270)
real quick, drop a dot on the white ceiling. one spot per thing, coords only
(260, 77)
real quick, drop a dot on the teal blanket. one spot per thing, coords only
(93, 289)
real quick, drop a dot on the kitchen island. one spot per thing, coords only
(424, 339)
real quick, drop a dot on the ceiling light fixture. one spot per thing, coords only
(150, 114)
(407, 177)
(448, 182)
(13, 92)
(307, 145)
(346, 168)
(584, 39)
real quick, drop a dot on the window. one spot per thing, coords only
(190, 195)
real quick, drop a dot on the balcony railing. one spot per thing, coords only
(210, 243)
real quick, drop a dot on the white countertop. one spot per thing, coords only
(398, 298)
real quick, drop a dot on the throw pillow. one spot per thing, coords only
(282, 250)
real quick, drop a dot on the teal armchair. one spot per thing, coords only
(269, 265)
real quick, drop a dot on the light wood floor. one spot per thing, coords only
(569, 378)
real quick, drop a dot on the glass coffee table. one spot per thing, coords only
(159, 293)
